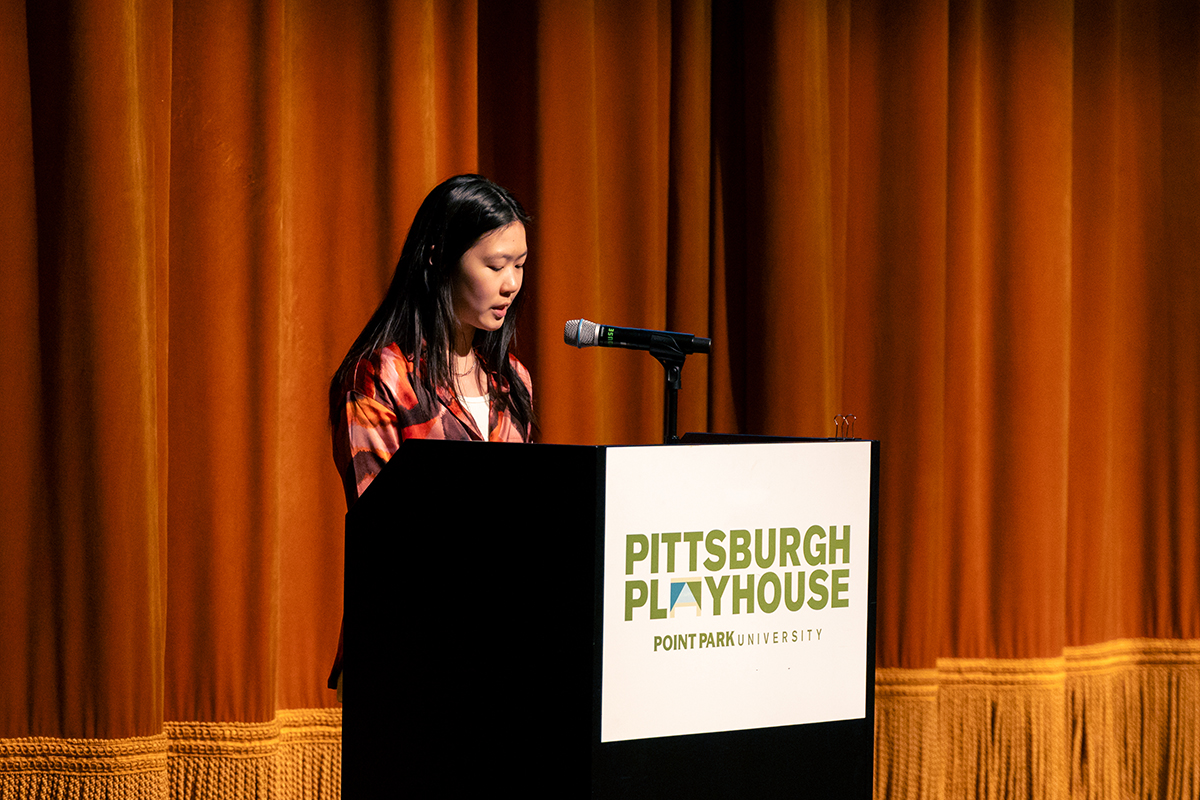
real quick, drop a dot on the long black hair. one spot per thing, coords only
(417, 313)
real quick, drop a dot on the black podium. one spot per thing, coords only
(474, 641)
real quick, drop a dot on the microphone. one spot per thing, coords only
(582, 333)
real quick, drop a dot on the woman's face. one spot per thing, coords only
(489, 277)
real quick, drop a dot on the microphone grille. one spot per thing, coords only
(580, 333)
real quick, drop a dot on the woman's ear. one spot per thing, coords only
(427, 270)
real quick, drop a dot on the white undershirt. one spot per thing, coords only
(479, 409)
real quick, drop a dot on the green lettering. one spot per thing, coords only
(769, 559)
(712, 545)
(692, 538)
(637, 546)
(635, 597)
(814, 554)
(840, 584)
(655, 611)
(716, 589)
(671, 539)
(765, 580)
(793, 603)
(789, 542)
(739, 549)
(746, 594)
(839, 543)
(818, 590)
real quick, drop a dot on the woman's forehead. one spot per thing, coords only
(507, 240)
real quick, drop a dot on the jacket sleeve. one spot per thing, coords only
(369, 435)
(380, 411)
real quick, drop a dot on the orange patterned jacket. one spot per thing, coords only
(385, 405)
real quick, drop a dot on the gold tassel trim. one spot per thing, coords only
(1114, 720)
(84, 769)
(905, 732)
(296, 756)
(1135, 714)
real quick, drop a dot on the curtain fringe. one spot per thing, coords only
(296, 756)
(1114, 720)
(83, 769)
(906, 762)
(1135, 720)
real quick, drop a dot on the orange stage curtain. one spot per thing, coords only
(974, 225)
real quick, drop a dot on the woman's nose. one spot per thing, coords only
(512, 281)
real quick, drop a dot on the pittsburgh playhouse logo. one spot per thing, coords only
(742, 573)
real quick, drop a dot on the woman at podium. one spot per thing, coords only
(434, 360)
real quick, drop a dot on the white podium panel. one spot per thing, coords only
(735, 587)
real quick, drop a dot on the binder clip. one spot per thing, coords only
(843, 426)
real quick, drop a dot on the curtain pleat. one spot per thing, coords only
(88, 441)
(971, 225)
(21, 497)
(225, 361)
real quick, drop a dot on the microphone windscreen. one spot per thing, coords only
(580, 333)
